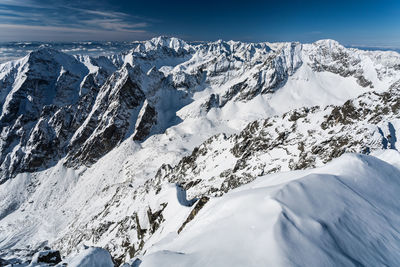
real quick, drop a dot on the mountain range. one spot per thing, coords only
(201, 154)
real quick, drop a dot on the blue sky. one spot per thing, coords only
(352, 22)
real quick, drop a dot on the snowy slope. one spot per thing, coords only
(115, 163)
(301, 138)
(334, 215)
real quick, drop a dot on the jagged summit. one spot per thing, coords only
(170, 42)
(221, 45)
(54, 60)
(161, 43)
(45, 52)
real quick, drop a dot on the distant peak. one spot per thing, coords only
(45, 55)
(164, 38)
(171, 42)
(328, 43)
(44, 50)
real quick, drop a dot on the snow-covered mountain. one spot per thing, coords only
(123, 151)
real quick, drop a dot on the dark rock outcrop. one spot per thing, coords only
(50, 257)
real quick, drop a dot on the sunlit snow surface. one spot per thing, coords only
(90, 257)
(343, 214)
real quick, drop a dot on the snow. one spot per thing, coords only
(90, 257)
(329, 216)
(307, 88)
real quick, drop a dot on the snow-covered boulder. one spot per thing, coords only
(90, 257)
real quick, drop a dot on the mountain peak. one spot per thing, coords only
(46, 55)
(43, 52)
(170, 42)
(329, 43)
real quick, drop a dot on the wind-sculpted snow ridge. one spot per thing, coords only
(124, 152)
(343, 214)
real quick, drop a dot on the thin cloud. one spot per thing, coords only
(23, 32)
(21, 3)
(55, 28)
(61, 19)
(115, 24)
(108, 14)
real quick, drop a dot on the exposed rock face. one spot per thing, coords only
(36, 109)
(57, 108)
(113, 114)
(333, 57)
(146, 119)
(4, 262)
(50, 257)
(200, 204)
